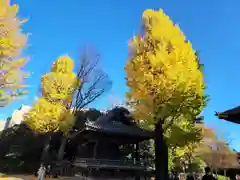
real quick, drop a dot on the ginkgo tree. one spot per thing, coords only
(165, 81)
(12, 41)
(95, 82)
(50, 113)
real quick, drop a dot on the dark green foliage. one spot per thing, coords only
(20, 149)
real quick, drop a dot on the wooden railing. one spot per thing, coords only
(110, 164)
(64, 168)
(67, 168)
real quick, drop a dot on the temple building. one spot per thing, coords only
(99, 147)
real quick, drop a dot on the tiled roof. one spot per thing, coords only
(231, 115)
(107, 124)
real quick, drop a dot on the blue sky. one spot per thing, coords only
(60, 27)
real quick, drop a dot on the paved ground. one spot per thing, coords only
(17, 177)
(21, 177)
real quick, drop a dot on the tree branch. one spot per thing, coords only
(94, 81)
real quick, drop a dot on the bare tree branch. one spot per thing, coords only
(94, 81)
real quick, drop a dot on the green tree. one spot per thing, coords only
(165, 81)
(183, 142)
(12, 41)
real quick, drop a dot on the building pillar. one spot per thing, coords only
(137, 159)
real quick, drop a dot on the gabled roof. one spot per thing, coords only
(231, 115)
(117, 122)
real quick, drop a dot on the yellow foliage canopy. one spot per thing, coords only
(47, 117)
(50, 113)
(59, 85)
(163, 72)
(12, 40)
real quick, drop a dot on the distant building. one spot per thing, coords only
(17, 117)
(2, 124)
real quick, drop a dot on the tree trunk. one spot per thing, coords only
(46, 148)
(62, 148)
(44, 157)
(161, 153)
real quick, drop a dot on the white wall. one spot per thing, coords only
(17, 116)
(2, 124)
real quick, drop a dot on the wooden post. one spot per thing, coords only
(95, 149)
(137, 152)
(137, 159)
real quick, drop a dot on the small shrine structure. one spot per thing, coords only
(99, 143)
